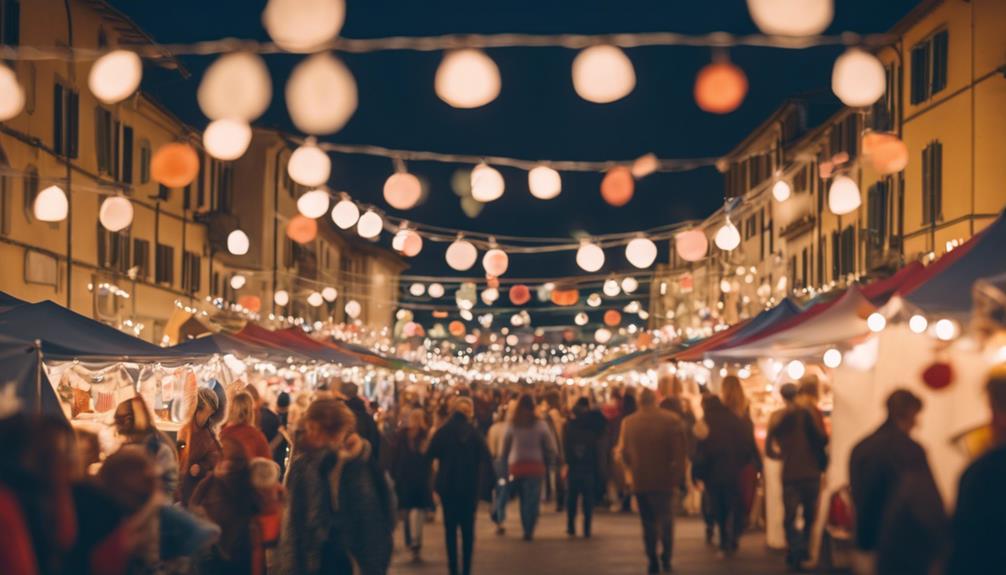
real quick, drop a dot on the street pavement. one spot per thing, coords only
(616, 549)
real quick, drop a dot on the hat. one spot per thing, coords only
(788, 391)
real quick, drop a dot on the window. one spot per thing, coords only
(847, 252)
(66, 113)
(164, 265)
(145, 161)
(883, 111)
(222, 185)
(932, 183)
(792, 273)
(10, 27)
(804, 273)
(750, 227)
(30, 184)
(141, 258)
(191, 272)
(114, 250)
(876, 215)
(820, 259)
(201, 184)
(103, 139)
(113, 142)
(40, 268)
(30, 81)
(929, 66)
(126, 174)
(845, 136)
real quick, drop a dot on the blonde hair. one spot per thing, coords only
(732, 394)
(242, 410)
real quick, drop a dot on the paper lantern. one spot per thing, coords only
(886, 152)
(408, 242)
(612, 318)
(436, 290)
(918, 323)
(313, 204)
(345, 214)
(602, 336)
(590, 257)
(490, 295)
(353, 309)
(781, 190)
(302, 229)
(565, 296)
(417, 289)
(303, 25)
(876, 322)
(581, 319)
(938, 376)
(281, 297)
(728, 238)
(594, 300)
(174, 165)
(236, 86)
(456, 328)
(467, 79)
(402, 191)
(832, 358)
(843, 196)
(520, 294)
(51, 205)
(238, 243)
(238, 281)
(603, 74)
(115, 76)
(495, 262)
(11, 94)
(544, 182)
(116, 213)
(370, 225)
(791, 17)
(691, 245)
(611, 288)
(618, 186)
(630, 284)
(487, 183)
(315, 299)
(858, 78)
(227, 139)
(321, 95)
(720, 88)
(461, 255)
(641, 252)
(330, 294)
(252, 303)
(309, 165)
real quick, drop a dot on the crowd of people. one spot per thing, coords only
(318, 483)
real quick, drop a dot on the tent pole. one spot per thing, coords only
(38, 377)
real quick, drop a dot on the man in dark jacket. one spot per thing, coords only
(580, 438)
(366, 427)
(653, 446)
(890, 478)
(980, 520)
(462, 455)
(794, 438)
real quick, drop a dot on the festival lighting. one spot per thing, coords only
(309, 165)
(313, 204)
(602, 335)
(330, 294)
(832, 358)
(303, 25)
(886, 152)
(461, 255)
(315, 299)
(594, 300)
(227, 139)
(843, 196)
(544, 182)
(12, 97)
(603, 74)
(720, 88)
(467, 79)
(51, 205)
(370, 225)
(353, 309)
(321, 94)
(281, 298)
(918, 323)
(302, 229)
(116, 213)
(581, 319)
(618, 186)
(436, 290)
(238, 243)
(174, 165)
(417, 289)
(236, 86)
(238, 281)
(795, 369)
(590, 257)
(876, 322)
(495, 262)
(791, 17)
(691, 245)
(630, 284)
(781, 190)
(345, 214)
(858, 78)
(728, 238)
(115, 76)
(945, 330)
(487, 183)
(402, 190)
(641, 252)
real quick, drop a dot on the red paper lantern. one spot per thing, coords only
(251, 303)
(565, 297)
(302, 229)
(720, 88)
(612, 317)
(456, 328)
(618, 186)
(174, 165)
(939, 375)
(519, 294)
(887, 153)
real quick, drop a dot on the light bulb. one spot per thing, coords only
(51, 205)
(641, 252)
(315, 299)
(353, 309)
(309, 165)
(843, 196)
(832, 358)
(630, 284)
(461, 255)
(467, 78)
(602, 335)
(590, 257)
(495, 262)
(544, 182)
(795, 369)
(611, 288)
(236, 86)
(116, 213)
(115, 76)
(581, 319)
(402, 190)
(791, 17)
(436, 290)
(303, 25)
(728, 238)
(876, 322)
(238, 243)
(12, 97)
(781, 190)
(417, 289)
(370, 225)
(345, 214)
(330, 294)
(313, 204)
(487, 183)
(321, 95)
(918, 323)
(238, 281)
(946, 330)
(858, 78)
(281, 297)
(227, 139)
(603, 74)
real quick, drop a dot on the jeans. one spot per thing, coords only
(501, 495)
(655, 512)
(459, 516)
(529, 489)
(412, 523)
(728, 509)
(580, 486)
(795, 494)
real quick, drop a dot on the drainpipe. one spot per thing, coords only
(69, 177)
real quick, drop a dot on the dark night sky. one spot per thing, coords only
(537, 115)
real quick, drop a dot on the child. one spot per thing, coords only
(266, 529)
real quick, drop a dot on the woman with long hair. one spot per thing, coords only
(241, 427)
(412, 473)
(733, 397)
(135, 423)
(198, 446)
(527, 448)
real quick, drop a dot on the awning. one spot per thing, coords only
(286, 341)
(19, 366)
(762, 322)
(8, 301)
(223, 343)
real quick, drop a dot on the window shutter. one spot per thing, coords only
(73, 120)
(927, 210)
(940, 48)
(937, 181)
(101, 138)
(12, 22)
(57, 118)
(127, 154)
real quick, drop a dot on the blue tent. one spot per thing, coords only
(763, 321)
(950, 291)
(8, 301)
(20, 367)
(223, 343)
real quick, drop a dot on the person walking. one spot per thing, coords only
(497, 434)
(887, 471)
(553, 416)
(653, 448)
(720, 461)
(527, 447)
(366, 427)
(980, 520)
(795, 439)
(736, 400)
(581, 436)
(199, 448)
(412, 473)
(241, 427)
(461, 454)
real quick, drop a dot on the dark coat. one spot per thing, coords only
(366, 426)
(795, 438)
(727, 450)
(980, 520)
(654, 449)
(463, 460)
(580, 439)
(230, 502)
(412, 472)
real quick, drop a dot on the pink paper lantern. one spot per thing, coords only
(691, 245)
(495, 262)
(402, 191)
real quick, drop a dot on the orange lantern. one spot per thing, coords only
(720, 88)
(565, 296)
(612, 317)
(887, 153)
(618, 186)
(456, 328)
(174, 165)
(644, 340)
(519, 294)
(440, 314)
(691, 245)
(302, 229)
(492, 282)
(251, 303)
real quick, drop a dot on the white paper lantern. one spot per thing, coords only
(594, 299)
(345, 214)
(353, 308)
(236, 86)
(544, 182)
(313, 204)
(238, 243)
(227, 139)
(945, 329)
(321, 95)
(590, 257)
(436, 290)
(303, 25)
(490, 295)
(795, 369)
(402, 191)
(781, 190)
(495, 262)
(611, 288)
(467, 79)
(116, 213)
(876, 322)
(581, 319)
(791, 17)
(630, 285)
(309, 165)
(603, 74)
(11, 94)
(843, 196)
(487, 183)
(602, 335)
(832, 358)
(51, 205)
(330, 294)
(641, 252)
(281, 297)
(408, 242)
(858, 78)
(115, 76)
(728, 238)
(238, 281)
(461, 255)
(370, 225)
(918, 323)
(315, 299)
(417, 289)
